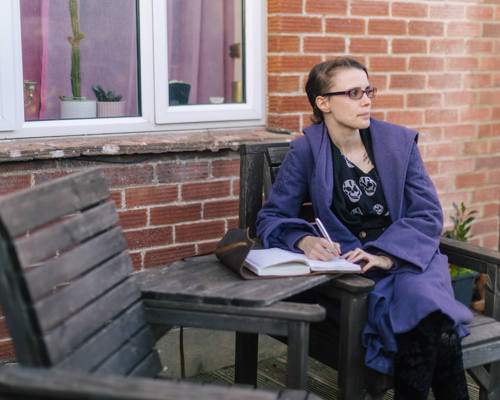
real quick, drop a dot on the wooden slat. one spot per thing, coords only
(60, 305)
(46, 242)
(72, 332)
(75, 262)
(34, 207)
(469, 251)
(93, 352)
(482, 333)
(129, 356)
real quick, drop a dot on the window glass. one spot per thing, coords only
(69, 47)
(205, 52)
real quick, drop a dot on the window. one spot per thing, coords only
(170, 64)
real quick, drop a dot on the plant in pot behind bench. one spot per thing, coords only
(76, 106)
(462, 279)
(109, 104)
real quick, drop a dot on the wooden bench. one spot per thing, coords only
(74, 313)
(340, 346)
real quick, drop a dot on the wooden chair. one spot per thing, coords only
(74, 313)
(340, 346)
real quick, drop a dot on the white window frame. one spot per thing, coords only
(157, 115)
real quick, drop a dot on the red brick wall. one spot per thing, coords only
(437, 67)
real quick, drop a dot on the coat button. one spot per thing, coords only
(362, 234)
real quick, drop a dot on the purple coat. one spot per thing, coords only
(419, 283)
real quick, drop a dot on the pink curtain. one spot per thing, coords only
(199, 35)
(108, 51)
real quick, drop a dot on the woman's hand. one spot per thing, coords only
(317, 248)
(368, 261)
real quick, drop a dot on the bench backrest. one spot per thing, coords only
(64, 280)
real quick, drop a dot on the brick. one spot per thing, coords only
(460, 98)
(289, 123)
(116, 196)
(432, 167)
(388, 101)
(493, 178)
(444, 81)
(439, 150)
(345, 25)
(441, 116)
(408, 46)
(491, 30)
(147, 195)
(278, 6)
(442, 183)
(473, 179)
(208, 247)
(462, 63)
(148, 237)
(477, 80)
(496, 113)
(390, 64)
(425, 28)
(447, 46)
(321, 44)
(290, 103)
(474, 46)
(7, 351)
(447, 11)
(283, 44)
(221, 168)
(405, 117)
(199, 231)
(183, 172)
(218, 209)
(495, 146)
(475, 114)
(175, 214)
(136, 260)
(456, 165)
(480, 12)
(369, 8)
(407, 81)
(489, 162)
(130, 175)
(284, 24)
(491, 210)
(326, 7)
(155, 258)
(475, 147)
(4, 330)
(283, 83)
(378, 80)
(206, 190)
(48, 176)
(13, 183)
(368, 45)
(481, 227)
(457, 197)
(485, 130)
(423, 100)
(379, 115)
(490, 63)
(490, 241)
(133, 218)
(489, 97)
(386, 27)
(236, 187)
(430, 134)
(466, 29)
(410, 10)
(282, 64)
(426, 64)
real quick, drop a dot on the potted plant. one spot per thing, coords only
(109, 104)
(462, 279)
(76, 106)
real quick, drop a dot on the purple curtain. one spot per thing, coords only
(199, 35)
(108, 51)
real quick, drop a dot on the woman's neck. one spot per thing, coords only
(347, 140)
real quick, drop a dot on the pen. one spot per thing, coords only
(325, 234)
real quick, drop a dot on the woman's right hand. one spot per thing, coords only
(317, 248)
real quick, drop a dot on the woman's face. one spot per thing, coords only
(340, 111)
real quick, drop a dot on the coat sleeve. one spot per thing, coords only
(278, 224)
(413, 239)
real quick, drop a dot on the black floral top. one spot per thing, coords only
(358, 198)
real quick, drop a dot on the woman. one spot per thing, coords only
(367, 183)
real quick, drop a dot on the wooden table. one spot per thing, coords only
(217, 298)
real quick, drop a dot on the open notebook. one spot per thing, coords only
(279, 262)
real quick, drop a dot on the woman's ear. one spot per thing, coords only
(322, 103)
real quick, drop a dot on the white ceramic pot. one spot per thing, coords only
(111, 108)
(76, 109)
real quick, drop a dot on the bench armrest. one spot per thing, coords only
(468, 255)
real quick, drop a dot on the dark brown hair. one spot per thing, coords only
(320, 77)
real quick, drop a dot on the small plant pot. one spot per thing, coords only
(76, 108)
(111, 108)
(463, 287)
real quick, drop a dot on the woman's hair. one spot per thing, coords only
(320, 78)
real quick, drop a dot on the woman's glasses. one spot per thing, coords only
(355, 93)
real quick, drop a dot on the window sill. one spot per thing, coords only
(137, 143)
